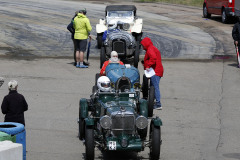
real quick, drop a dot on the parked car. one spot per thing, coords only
(126, 18)
(226, 8)
(118, 120)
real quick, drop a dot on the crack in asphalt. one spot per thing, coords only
(219, 144)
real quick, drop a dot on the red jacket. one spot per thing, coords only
(102, 72)
(152, 57)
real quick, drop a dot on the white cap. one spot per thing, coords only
(12, 85)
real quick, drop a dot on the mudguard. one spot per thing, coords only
(143, 109)
(137, 28)
(84, 108)
(100, 28)
(157, 121)
(89, 121)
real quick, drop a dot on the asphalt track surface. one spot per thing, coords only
(200, 95)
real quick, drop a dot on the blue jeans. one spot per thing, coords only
(154, 81)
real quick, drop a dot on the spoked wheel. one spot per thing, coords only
(89, 143)
(151, 97)
(155, 142)
(80, 125)
(102, 57)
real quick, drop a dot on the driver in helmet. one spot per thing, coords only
(103, 84)
(112, 27)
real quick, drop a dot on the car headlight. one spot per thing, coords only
(137, 85)
(141, 122)
(126, 26)
(105, 122)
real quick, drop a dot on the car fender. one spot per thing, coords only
(137, 27)
(89, 121)
(100, 28)
(143, 107)
(84, 108)
(156, 121)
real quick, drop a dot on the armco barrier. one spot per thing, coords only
(15, 129)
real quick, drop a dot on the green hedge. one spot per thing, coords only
(197, 3)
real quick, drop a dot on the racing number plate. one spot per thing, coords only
(112, 145)
(131, 95)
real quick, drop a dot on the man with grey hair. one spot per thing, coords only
(113, 59)
(14, 104)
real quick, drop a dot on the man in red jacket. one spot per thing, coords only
(153, 60)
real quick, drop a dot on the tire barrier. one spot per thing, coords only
(17, 130)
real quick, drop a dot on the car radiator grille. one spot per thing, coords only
(123, 124)
(119, 47)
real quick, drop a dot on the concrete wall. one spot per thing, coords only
(11, 151)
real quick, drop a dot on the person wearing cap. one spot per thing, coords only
(72, 31)
(152, 59)
(113, 59)
(82, 27)
(14, 105)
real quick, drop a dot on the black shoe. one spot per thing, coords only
(86, 63)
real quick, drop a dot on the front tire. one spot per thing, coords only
(89, 143)
(155, 142)
(102, 57)
(136, 55)
(80, 125)
(99, 41)
(151, 97)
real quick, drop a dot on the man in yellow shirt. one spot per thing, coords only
(82, 27)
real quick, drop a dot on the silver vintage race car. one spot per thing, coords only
(120, 31)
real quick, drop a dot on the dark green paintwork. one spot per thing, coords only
(84, 108)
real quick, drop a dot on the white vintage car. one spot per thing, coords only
(125, 18)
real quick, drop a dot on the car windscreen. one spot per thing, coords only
(121, 14)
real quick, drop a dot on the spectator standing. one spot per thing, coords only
(152, 59)
(82, 27)
(14, 105)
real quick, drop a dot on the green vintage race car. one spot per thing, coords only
(118, 121)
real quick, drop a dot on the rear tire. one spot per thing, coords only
(89, 143)
(102, 57)
(151, 97)
(205, 12)
(155, 142)
(225, 18)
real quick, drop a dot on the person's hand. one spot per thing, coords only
(90, 37)
(148, 69)
(104, 72)
(236, 43)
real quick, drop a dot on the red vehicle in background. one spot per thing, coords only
(226, 8)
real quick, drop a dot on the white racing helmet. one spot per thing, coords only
(112, 24)
(12, 85)
(103, 83)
